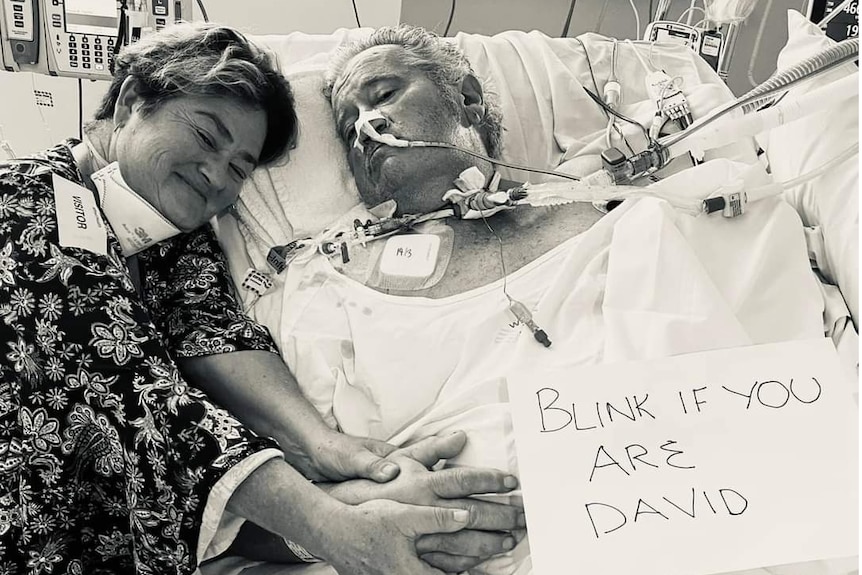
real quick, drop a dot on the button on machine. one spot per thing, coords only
(79, 35)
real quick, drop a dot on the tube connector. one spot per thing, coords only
(624, 170)
(523, 315)
(731, 202)
(612, 93)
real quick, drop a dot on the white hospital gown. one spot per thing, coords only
(645, 281)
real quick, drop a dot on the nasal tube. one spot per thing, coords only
(363, 126)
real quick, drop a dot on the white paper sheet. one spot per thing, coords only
(674, 466)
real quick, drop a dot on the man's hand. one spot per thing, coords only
(490, 523)
(339, 457)
(378, 537)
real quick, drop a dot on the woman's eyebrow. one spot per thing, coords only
(222, 129)
(225, 133)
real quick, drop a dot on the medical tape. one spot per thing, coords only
(364, 126)
(386, 278)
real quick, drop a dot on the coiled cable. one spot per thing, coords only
(811, 67)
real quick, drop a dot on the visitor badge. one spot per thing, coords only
(413, 255)
(79, 221)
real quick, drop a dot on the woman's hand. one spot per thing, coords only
(257, 388)
(488, 531)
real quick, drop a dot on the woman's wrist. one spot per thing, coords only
(354, 491)
(302, 447)
(322, 538)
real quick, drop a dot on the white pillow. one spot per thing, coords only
(298, 197)
(547, 117)
(830, 201)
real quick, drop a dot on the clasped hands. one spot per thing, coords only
(490, 528)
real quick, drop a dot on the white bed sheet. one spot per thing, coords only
(646, 281)
(541, 79)
(235, 566)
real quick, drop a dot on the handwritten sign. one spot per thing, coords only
(695, 464)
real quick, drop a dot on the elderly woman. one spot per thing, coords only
(109, 461)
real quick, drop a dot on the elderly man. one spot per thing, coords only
(414, 334)
(422, 88)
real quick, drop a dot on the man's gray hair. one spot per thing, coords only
(442, 61)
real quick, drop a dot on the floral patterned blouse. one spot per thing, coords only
(106, 454)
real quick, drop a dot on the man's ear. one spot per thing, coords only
(128, 100)
(474, 101)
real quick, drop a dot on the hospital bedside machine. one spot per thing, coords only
(78, 38)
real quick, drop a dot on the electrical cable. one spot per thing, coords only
(756, 50)
(121, 35)
(80, 111)
(599, 101)
(589, 64)
(356, 14)
(495, 161)
(774, 102)
(662, 9)
(565, 32)
(637, 20)
(823, 168)
(690, 11)
(6, 146)
(807, 69)
(451, 15)
(596, 86)
(518, 309)
(203, 10)
(502, 259)
(641, 58)
(692, 6)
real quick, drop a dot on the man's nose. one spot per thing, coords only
(366, 128)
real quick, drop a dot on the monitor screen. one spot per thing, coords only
(91, 17)
(842, 26)
(661, 34)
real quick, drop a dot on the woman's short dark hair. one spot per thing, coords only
(200, 59)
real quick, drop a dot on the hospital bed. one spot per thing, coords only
(550, 122)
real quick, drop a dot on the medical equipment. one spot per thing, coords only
(673, 32)
(619, 169)
(703, 135)
(839, 21)
(364, 127)
(78, 38)
(729, 13)
(710, 46)
(22, 22)
(714, 37)
(662, 8)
